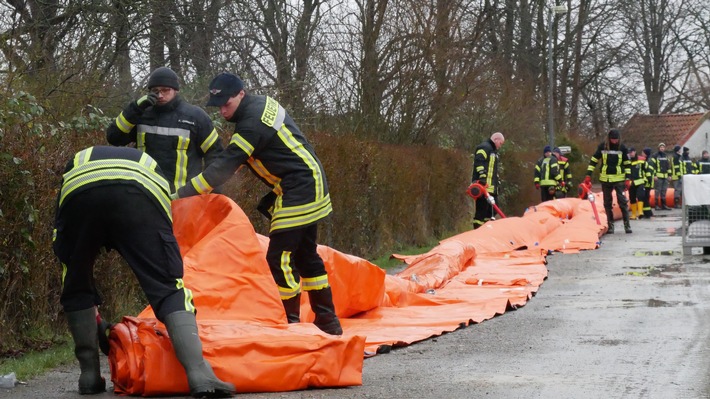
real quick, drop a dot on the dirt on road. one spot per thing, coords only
(628, 320)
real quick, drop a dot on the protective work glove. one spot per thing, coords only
(627, 184)
(562, 184)
(537, 186)
(587, 180)
(147, 101)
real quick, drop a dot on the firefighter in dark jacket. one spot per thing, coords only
(663, 173)
(637, 191)
(686, 166)
(547, 175)
(486, 165)
(117, 198)
(702, 167)
(565, 171)
(178, 135)
(615, 171)
(647, 211)
(267, 139)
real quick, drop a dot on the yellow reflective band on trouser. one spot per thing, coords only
(315, 283)
(200, 184)
(123, 124)
(284, 218)
(293, 287)
(180, 284)
(209, 141)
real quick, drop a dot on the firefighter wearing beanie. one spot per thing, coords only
(676, 176)
(662, 166)
(547, 175)
(646, 205)
(615, 172)
(178, 135)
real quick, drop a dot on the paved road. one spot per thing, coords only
(629, 320)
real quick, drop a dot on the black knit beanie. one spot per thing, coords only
(163, 77)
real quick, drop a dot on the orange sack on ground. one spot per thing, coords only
(468, 278)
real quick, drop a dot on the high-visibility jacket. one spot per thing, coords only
(178, 135)
(104, 165)
(687, 166)
(662, 165)
(676, 161)
(565, 171)
(547, 172)
(702, 167)
(486, 166)
(638, 171)
(268, 140)
(613, 161)
(650, 172)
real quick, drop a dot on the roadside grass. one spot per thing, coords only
(387, 262)
(35, 363)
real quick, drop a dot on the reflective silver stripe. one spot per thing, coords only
(140, 141)
(164, 131)
(181, 162)
(297, 147)
(82, 157)
(200, 184)
(261, 170)
(180, 285)
(240, 142)
(209, 141)
(274, 114)
(315, 283)
(279, 222)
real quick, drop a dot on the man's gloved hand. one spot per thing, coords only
(147, 101)
(537, 186)
(587, 180)
(627, 184)
(562, 184)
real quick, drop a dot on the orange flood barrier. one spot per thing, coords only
(468, 278)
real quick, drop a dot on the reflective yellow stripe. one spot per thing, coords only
(209, 141)
(180, 285)
(140, 141)
(83, 156)
(181, 161)
(274, 114)
(123, 124)
(261, 170)
(64, 274)
(200, 184)
(315, 283)
(240, 142)
(301, 220)
(288, 293)
(287, 271)
(297, 147)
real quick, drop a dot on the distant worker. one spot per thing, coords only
(486, 166)
(615, 171)
(269, 141)
(648, 185)
(118, 198)
(676, 180)
(663, 173)
(702, 167)
(637, 190)
(178, 135)
(686, 167)
(547, 175)
(565, 171)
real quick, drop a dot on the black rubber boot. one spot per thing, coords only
(82, 325)
(322, 305)
(292, 306)
(627, 227)
(663, 205)
(182, 327)
(610, 228)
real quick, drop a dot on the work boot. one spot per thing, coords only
(627, 227)
(182, 328)
(322, 305)
(292, 306)
(610, 228)
(82, 325)
(663, 205)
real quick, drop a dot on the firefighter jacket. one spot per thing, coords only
(104, 165)
(650, 172)
(565, 171)
(547, 172)
(486, 166)
(687, 166)
(662, 165)
(676, 162)
(178, 135)
(269, 142)
(702, 167)
(613, 161)
(638, 171)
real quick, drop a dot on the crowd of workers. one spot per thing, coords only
(621, 169)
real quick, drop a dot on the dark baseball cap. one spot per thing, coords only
(223, 87)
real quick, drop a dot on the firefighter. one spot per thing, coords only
(648, 184)
(702, 167)
(615, 170)
(637, 191)
(118, 198)
(565, 171)
(486, 166)
(178, 135)
(663, 173)
(686, 167)
(547, 175)
(268, 140)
